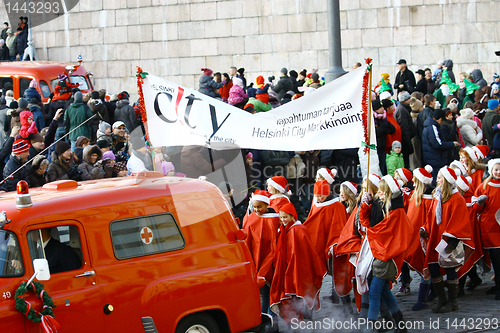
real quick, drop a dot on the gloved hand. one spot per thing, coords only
(366, 197)
(481, 200)
(32, 128)
(424, 234)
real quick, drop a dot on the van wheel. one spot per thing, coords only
(197, 323)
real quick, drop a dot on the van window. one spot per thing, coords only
(60, 245)
(11, 262)
(24, 84)
(4, 80)
(80, 80)
(45, 88)
(145, 235)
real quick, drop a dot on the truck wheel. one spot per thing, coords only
(197, 323)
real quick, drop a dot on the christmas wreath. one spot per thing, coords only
(25, 307)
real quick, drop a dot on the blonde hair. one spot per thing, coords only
(369, 186)
(384, 187)
(350, 198)
(490, 177)
(418, 192)
(446, 189)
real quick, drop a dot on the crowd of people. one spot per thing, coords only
(13, 43)
(432, 209)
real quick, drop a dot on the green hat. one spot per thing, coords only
(471, 87)
(384, 87)
(446, 79)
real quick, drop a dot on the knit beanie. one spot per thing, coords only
(79, 97)
(94, 95)
(493, 104)
(23, 103)
(20, 146)
(207, 71)
(108, 155)
(13, 105)
(103, 125)
(387, 103)
(61, 147)
(396, 144)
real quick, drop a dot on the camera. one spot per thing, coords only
(271, 78)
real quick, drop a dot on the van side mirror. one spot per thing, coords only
(42, 272)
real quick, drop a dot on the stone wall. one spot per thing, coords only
(175, 38)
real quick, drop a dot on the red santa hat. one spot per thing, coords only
(472, 154)
(405, 174)
(449, 174)
(460, 167)
(423, 174)
(392, 183)
(328, 174)
(374, 179)
(289, 209)
(491, 164)
(262, 196)
(351, 186)
(464, 182)
(322, 188)
(481, 151)
(278, 182)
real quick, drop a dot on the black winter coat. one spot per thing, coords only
(434, 147)
(284, 84)
(382, 128)
(422, 86)
(422, 117)
(403, 117)
(407, 79)
(12, 165)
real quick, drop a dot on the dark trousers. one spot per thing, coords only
(495, 262)
(435, 271)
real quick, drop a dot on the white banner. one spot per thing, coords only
(328, 118)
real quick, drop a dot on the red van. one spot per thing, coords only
(20, 74)
(149, 254)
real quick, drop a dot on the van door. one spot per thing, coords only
(73, 284)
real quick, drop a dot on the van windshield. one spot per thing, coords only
(11, 262)
(80, 80)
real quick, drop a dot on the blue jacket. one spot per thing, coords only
(434, 147)
(32, 93)
(37, 117)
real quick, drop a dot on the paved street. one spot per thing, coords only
(475, 307)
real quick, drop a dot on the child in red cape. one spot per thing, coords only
(261, 240)
(419, 203)
(469, 268)
(488, 220)
(447, 224)
(325, 222)
(471, 158)
(298, 273)
(278, 187)
(387, 232)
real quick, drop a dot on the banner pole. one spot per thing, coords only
(369, 121)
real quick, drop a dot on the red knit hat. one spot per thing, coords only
(279, 182)
(328, 174)
(322, 187)
(405, 174)
(424, 174)
(207, 71)
(449, 174)
(259, 80)
(262, 196)
(289, 209)
(20, 146)
(351, 186)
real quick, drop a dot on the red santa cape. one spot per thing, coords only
(261, 240)
(390, 238)
(415, 256)
(489, 220)
(298, 269)
(454, 223)
(278, 201)
(477, 179)
(324, 224)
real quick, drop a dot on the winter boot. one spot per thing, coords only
(398, 318)
(439, 286)
(432, 293)
(422, 295)
(452, 304)
(461, 285)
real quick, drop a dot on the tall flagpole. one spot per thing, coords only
(369, 120)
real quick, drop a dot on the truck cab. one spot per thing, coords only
(144, 253)
(45, 73)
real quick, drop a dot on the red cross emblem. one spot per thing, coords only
(146, 235)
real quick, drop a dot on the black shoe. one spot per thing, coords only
(474, 283)
(492, 290)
